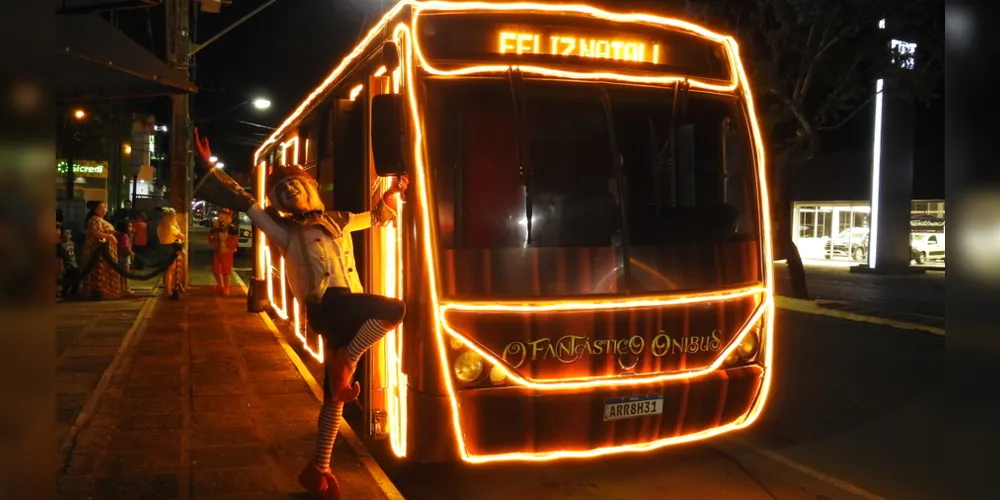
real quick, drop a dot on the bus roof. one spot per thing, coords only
(418, 6)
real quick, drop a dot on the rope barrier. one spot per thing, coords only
(103, 252)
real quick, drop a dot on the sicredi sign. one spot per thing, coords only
(85, 169)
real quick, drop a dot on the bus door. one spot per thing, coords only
(383, 385)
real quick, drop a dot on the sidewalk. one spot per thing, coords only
(205, 404)
(88, 336)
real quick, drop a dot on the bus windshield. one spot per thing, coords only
(533, 202)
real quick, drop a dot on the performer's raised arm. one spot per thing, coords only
(218, 188)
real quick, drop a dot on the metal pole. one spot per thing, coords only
(71, 157)
(179, 49)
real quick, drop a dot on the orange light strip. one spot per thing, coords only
(300, 332)
(356, 91)
(764, 206)
(261, 238)
(398, 380)
(392, 284)
(604, 304)
(583, 10)
(577, 383)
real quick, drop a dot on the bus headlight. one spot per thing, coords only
(749, 346)
(468, 366)
(732, 358)
(497, 376)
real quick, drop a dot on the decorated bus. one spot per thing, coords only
(584, 248)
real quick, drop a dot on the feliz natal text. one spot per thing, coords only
(597, 48)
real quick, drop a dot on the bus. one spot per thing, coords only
(585, 246)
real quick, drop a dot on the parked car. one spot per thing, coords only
(852, 243)
(926, 246)
(245, 228)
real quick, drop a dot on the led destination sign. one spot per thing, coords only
(511, 42)
(582, 43)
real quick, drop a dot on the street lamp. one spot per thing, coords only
(261, 103)
(79, 114)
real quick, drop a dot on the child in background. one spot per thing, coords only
(223, 238)
(169, 234)
(140, 239)
(125, 253)
(70, 269)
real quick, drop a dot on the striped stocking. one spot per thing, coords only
(329, 424)
(370, 332)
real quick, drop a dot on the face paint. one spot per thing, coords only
(296, 195)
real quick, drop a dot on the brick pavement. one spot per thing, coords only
(205, 405)
(88, 336)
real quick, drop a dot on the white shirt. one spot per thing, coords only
(315, 261)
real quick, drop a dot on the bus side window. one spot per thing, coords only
(349, 191)
(324, 153)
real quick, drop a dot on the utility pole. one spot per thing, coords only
(179, 54)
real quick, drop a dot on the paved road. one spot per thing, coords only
(918, 295)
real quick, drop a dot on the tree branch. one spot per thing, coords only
(804, 66)
(824, 47)
(835, 96)
(843, 122)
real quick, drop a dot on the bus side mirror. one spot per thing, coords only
(388, 139)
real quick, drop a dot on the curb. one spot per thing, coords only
(87, 412)
(811, 307)
(358, 446)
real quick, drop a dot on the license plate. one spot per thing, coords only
(633, 406)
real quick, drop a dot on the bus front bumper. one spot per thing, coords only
(517, 423)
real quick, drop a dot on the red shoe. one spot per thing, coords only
(333, 487)
(322, 485)
(340, 369)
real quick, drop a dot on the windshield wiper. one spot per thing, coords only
(622, 191)
(678, 110)
(524, 167)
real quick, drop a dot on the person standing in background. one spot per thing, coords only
(223, 238)
(125, 253)
(69, 265)
(169, 233)
(141, 238)
(102, 282)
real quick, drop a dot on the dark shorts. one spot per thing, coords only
(339, 314)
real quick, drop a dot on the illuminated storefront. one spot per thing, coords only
(837, 232)
(90, 180)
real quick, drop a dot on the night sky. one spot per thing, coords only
(286, 50)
